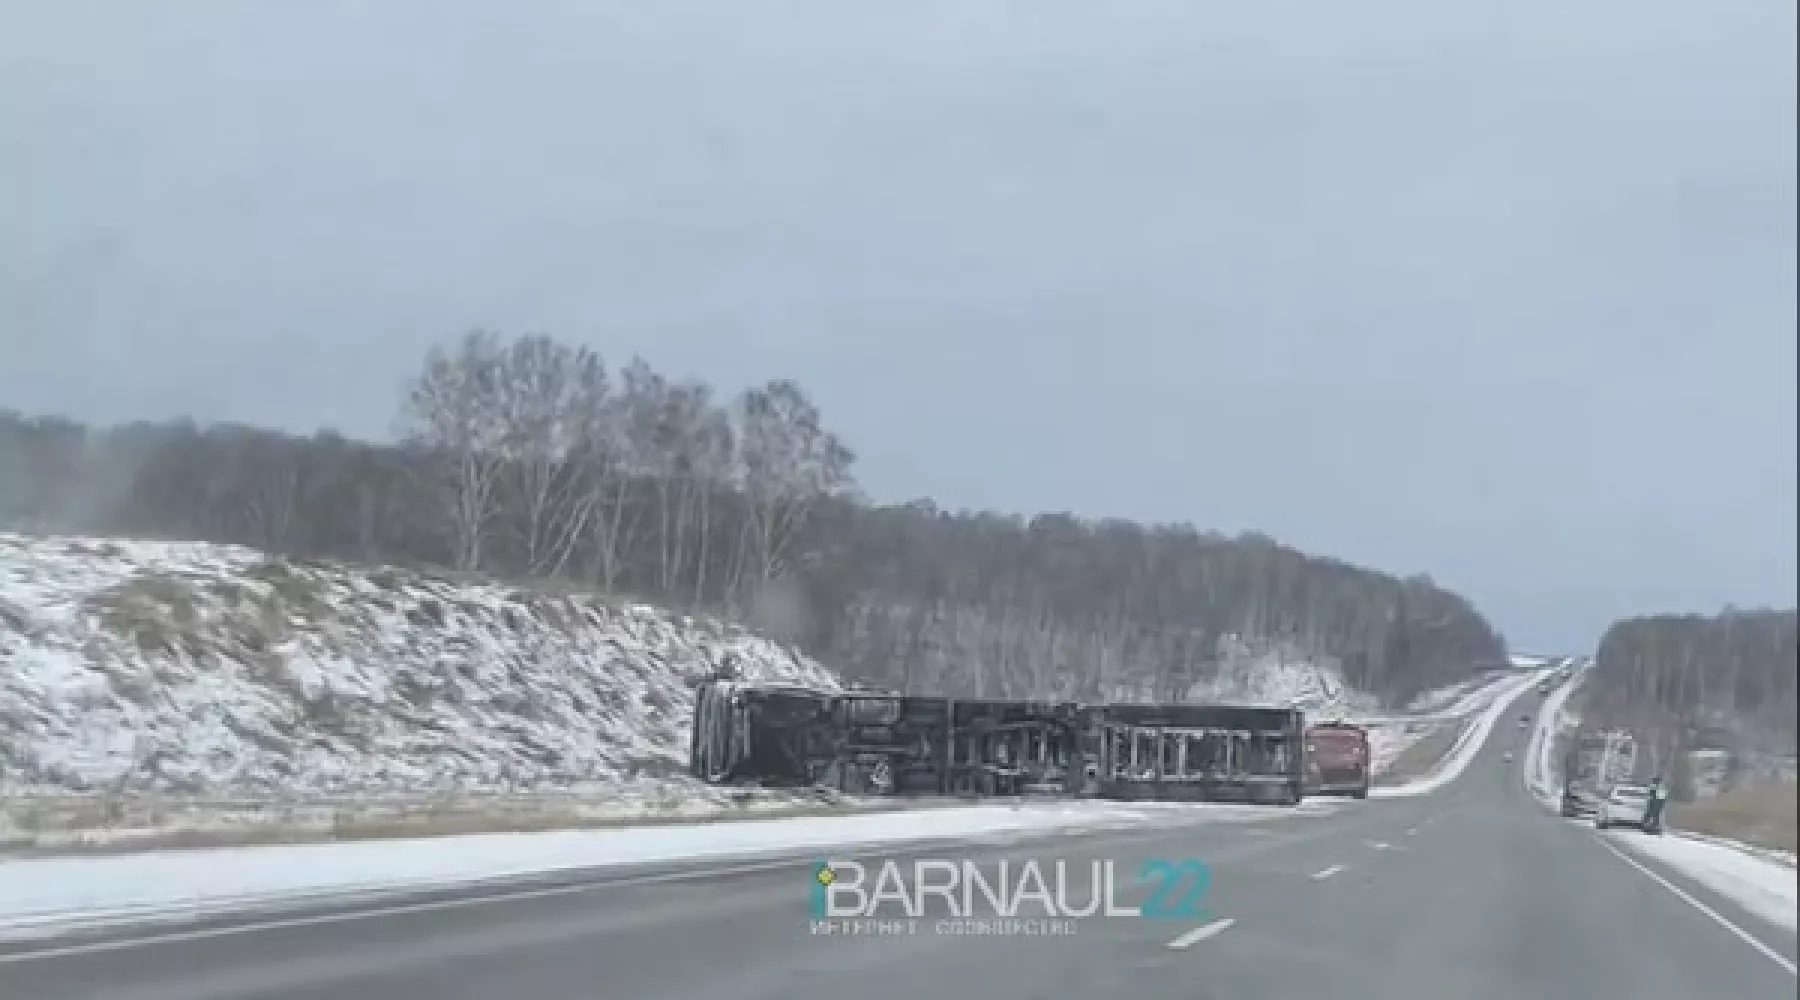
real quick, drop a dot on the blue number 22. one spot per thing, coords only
(1168, 877)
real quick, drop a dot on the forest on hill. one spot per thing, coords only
(529, 458)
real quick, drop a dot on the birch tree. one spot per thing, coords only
(456, 414)
(552, 395)
(789, 461)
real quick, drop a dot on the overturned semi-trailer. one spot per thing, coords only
(1200, 753)
(887, 744)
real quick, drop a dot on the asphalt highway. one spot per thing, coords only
(1469, 893)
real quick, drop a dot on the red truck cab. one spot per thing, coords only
(1337, 759)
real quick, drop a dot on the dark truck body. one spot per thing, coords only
(887, 744)
(1337, 759)
(1016, 747)
(878, 743)
(1198, 753)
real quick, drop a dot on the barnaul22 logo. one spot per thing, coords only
(938, 888)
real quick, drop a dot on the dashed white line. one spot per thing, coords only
(1323, 874)
(1201, 933)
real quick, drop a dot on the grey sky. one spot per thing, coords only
(1500, 291)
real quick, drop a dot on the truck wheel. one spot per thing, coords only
(1360, 793)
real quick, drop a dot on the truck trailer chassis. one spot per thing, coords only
(872, 743)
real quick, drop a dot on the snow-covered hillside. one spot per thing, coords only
(1282, 678)
(196, 667)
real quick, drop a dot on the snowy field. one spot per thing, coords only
(1763, 882)
(50, 896)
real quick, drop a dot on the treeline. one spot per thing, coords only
(529, 458)
(1728, 678)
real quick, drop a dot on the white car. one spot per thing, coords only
(1625, 805)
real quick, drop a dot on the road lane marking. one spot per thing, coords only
(362, 913)
(1771, 954)
(1201, 933)
(368, 907)
(1320, 876)
(1412, 831)
(1380, 845)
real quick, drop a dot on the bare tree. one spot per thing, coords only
(789, 462)
(553, 394)
(456, 413)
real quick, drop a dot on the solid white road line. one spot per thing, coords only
(1201, 933)
(1320, 876)
(1771, 954)
(367, 913)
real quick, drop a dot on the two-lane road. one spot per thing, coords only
(1469, 893)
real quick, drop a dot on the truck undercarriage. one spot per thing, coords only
(885, 744)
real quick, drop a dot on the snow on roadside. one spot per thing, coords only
(1500, 698)
(1391, 736)
(1761, 882)
(1540, 752)
(1762, 887)
(1446, 699)
(57, 895)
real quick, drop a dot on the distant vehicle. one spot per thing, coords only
(1337, 759)
(1625, 805)
(1525, 720)
(1581, 776)
(1507, 756)
(1545, 688)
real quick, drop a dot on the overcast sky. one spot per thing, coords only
(1500, 291)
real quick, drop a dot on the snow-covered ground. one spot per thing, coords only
(1540, 750)
(1761, 885)
(1762, 882)
(1282, 678)
(50, 896)
(163, 693)
(207, 668)
(1497, 698)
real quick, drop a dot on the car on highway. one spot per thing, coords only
(1625, 805)
(1525, 721)
(1507, 756)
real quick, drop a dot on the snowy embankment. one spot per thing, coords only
(212, 669)
(196, 691)
(54, 896)
(1762, 882)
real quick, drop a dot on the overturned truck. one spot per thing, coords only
(1200, 753)
(875, 743)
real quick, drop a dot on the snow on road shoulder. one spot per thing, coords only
(1500, 698)
(48, 896)
(1765, 888)
(1762, 884)
(1540, 753)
